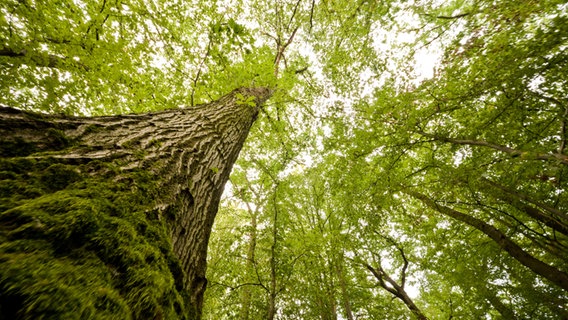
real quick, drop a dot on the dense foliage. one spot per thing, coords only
(412, 162)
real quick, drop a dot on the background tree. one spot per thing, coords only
(475, 138)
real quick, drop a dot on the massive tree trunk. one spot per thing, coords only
(110, 217)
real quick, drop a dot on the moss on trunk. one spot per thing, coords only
(110, 217)
(80, 247)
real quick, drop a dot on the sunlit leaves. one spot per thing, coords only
(362, 111)
(484, 136)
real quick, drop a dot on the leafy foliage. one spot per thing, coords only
(389, 120)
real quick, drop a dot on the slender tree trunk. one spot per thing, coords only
(246, 295)
(343, 285)
(273, 280)
(549, 272)
(112, 215)
(397, 290)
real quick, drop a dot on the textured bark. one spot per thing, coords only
(187, 155)
(549, 272)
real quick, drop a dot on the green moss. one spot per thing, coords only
(78, 247)
(57, 139)
(5, 175)
(17, 165)
(58, 176)
(82, 289)
(92, 128)
(17, 148)
(54, 140)
(154, 143)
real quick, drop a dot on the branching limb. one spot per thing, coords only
(553, 274)
(280, 51)
(43, 59)
(387, 283)
(513, 152)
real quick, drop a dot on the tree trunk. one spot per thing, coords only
(111, 216)
(339, 267)
(250, 266)
(273, 280)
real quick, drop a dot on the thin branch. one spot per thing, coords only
(199, 71)
(563, 132)
(238, 286)
(293, 15)
(302, 70)
(312, 15)
(461, 15)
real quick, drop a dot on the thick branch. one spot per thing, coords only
(513, 152)
(41, 59)
(512, 196)
(551, 273)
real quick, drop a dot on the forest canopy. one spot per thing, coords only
(411, 162)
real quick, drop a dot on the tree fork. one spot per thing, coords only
(111, 216)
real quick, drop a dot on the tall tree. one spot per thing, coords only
(111, 216)
(440, 126)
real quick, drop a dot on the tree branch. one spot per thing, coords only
(293, 15)
(461, 15)
(547, 271)
(396, 290)
(563, 132)
(280, 51)
(312, 15)
(207, 51)
(42, 59)
(524, 197)
(513, 152)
